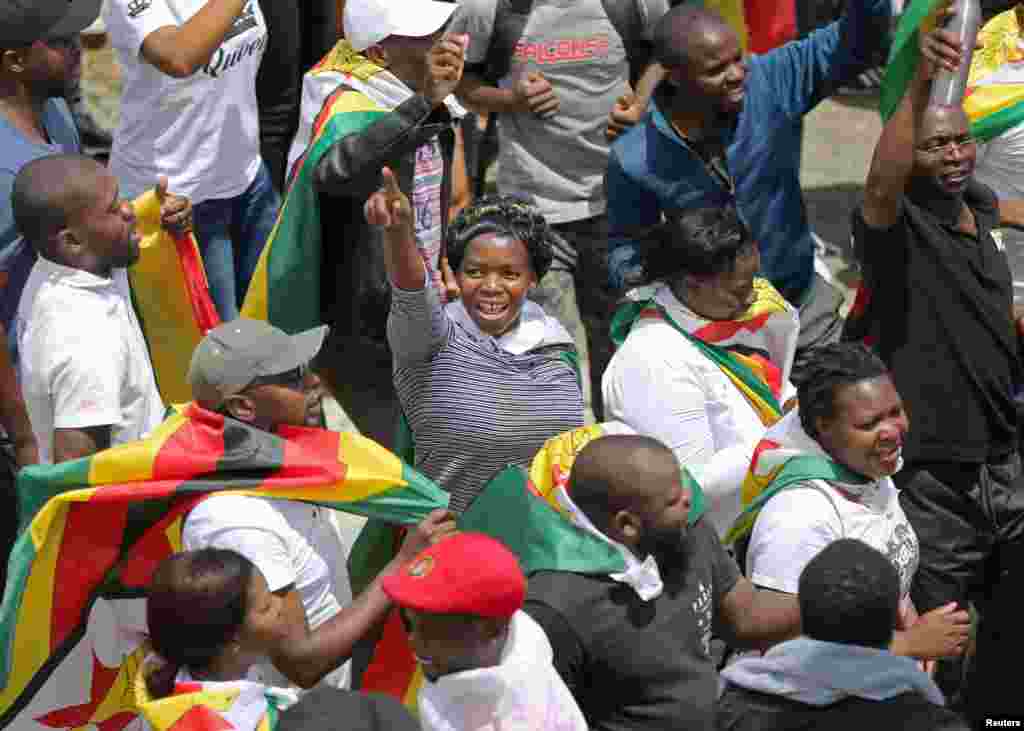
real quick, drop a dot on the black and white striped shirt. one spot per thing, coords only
(473, 407)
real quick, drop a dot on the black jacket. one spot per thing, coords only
(740, 709)
(355, 293)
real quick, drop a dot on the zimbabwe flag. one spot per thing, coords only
(994, 100)
(285, 288)
(755, 350)
(761, 24)
(785, 457)
(94, 529)
(171, 298)
(532, 513)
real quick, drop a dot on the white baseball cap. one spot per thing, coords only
(368, 22)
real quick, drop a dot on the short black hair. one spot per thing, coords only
(850, 593)
(673, 33)
(828, 369)
(45, 190)
(699, 241)
(605, 470)
(503, 215)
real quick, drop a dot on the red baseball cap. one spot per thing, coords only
(468, 573)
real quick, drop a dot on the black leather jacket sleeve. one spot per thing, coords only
(351, 167)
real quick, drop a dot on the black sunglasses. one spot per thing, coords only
(294, 379)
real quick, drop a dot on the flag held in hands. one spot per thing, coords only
(533, 515)
(171, 297)
(994, 100)
(94, 529)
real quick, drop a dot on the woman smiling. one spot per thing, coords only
(824, 473)
(486, 380)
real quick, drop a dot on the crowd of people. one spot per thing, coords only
(646, 263)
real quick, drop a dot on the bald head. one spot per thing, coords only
(944, 151)
(683, 32)
(619, 472)
(940, 117)
(47, 191)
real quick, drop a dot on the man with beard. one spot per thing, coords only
(940, 312)
(725, 128)
(84, 365)
(635, 648)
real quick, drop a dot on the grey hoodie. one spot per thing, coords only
(821, 673)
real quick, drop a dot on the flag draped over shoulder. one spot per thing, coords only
(171, 298)
(784, 457)
(761, 24)
(94, 529)
(755, 351)
(205, 706)
(994, 100)
(285, 288)
(532, 513)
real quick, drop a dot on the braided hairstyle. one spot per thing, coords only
(828, 369)
(506, 216)
(196, 603)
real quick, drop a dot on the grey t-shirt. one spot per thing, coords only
(559, 163)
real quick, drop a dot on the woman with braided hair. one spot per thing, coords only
(487, 379)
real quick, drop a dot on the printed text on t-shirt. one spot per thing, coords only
(565, 50)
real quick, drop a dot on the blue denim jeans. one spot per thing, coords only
(231, 234)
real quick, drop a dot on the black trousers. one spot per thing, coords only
(300, 33)
(969, 519)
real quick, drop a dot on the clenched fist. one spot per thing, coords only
(535, 94)
(445, 62)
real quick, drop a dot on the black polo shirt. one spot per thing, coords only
(941, 311)
(634, 665)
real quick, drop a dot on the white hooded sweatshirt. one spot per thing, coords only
(524, 692)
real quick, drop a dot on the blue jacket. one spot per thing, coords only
(651, 171)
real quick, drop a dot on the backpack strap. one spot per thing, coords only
(510, 16)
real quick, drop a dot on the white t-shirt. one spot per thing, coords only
(291, 543)
(795, 525)
(662, 386)
(84, 361)
(202, 131)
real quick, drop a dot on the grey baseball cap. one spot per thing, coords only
(234, 354)
(23, 22)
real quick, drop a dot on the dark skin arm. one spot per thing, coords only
(756, 619)
(630, 108)
(390, 208)
(752, 618)
(181, 50)
(531, 93)
(1011, 213)
(75, 443)
(13, 415)
(305, 657)
(893, 160)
